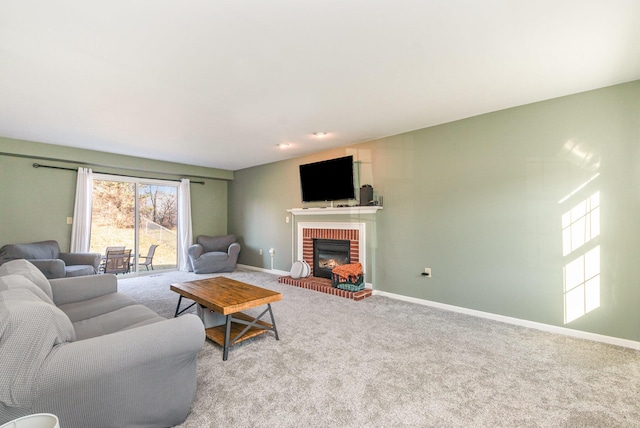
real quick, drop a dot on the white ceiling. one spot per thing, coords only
(220, 83)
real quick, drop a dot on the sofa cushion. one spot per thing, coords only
(215, 256)
(19, 282)
(114, 321)
(29, 330)
(29, 271)
(97, 306)
(79, 270)
(216, 243)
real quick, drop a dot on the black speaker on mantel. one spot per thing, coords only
(366, 195)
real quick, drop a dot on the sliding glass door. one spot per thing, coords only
(158, 225)
(139, 215)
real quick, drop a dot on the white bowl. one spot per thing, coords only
(306, 270)
(38, 420)
(296, 271)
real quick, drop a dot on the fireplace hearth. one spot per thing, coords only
(329, 254)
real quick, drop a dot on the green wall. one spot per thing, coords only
(477, 200)
(35, 202)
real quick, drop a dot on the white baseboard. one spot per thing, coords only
(516, 321)
(625, 343)
(271, 271)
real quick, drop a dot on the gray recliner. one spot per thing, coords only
(213, 254)
(47, 257)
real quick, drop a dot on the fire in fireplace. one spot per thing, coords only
(328, 254)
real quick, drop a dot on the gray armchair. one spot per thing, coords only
(214, 254)
(47, 257)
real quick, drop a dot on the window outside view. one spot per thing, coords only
(114, 211)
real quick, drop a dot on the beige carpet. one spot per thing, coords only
(382, 362)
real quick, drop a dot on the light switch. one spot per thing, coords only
(69, 220)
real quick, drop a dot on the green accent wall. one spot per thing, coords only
(35, 202)
(479, 202)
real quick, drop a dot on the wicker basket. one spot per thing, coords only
(346, 285)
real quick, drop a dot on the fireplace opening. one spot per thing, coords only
(328, 254)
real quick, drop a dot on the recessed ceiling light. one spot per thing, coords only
(320, 134)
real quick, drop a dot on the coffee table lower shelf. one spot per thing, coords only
(217, 334)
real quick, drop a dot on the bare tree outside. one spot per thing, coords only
(159, 206)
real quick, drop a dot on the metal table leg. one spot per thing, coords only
(273, 321)
(228, 342)
(178, 311)
(225, 351)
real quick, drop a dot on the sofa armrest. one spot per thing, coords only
(234, 250)
(81, 288)
(195, 251)
(51, 268)
(145, 376)
(74, 259)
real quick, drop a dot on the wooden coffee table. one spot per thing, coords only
(228, 297)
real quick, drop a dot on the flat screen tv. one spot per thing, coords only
(330, 180)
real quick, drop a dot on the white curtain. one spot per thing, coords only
(185, 233)
(81, 230)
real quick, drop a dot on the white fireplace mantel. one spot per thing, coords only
(335, 210)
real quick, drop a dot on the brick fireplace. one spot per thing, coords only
(355, 233)
(309, 235)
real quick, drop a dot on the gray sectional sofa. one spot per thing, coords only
(77, 348)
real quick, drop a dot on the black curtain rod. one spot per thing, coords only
(37, 165)
(96, 165)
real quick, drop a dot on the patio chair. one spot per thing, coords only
(104, 257)
(117, 261)
(148, 259)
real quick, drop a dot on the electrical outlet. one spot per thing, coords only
(286, 219)
(69, 220)
(272, 251)
(427, 272)
(260, 251)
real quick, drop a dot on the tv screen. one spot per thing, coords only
(329, 180)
